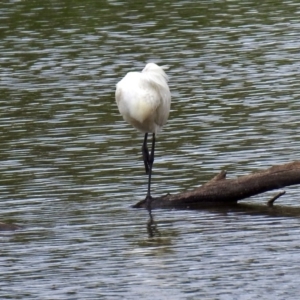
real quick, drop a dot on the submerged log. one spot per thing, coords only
(220, 191)
(9, 227)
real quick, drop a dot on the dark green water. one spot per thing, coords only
(71, 168)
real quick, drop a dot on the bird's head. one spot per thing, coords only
(154, 68)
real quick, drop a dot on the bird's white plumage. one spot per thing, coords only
(144, 98)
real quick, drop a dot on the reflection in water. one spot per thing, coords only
(67, 171)
(273, 211)
(152, 226)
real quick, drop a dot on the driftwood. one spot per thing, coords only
(220, 191)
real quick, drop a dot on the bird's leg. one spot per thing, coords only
(146, 155)
(150, 163)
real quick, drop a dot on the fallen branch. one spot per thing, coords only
(220, 191)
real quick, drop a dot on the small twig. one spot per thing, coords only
(272, 200)
(219, 176)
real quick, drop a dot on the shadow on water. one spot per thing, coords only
(155, 234)
(257, 209)
(152, 226)
(274, 211)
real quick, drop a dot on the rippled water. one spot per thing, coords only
(71, 168)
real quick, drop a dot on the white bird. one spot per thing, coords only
(144, 101)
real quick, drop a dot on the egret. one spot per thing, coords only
(144, 101)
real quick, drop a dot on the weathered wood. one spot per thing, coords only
(220, 191)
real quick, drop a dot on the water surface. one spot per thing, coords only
(71, 168)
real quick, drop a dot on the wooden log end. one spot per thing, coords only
(140, 204)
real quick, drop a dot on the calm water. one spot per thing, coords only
(71, 168)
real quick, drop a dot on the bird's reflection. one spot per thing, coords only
(152, 226)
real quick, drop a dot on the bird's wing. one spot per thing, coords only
(161, 97)
(118, 94)
(164, 107)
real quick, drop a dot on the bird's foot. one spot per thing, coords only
(148, 201)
